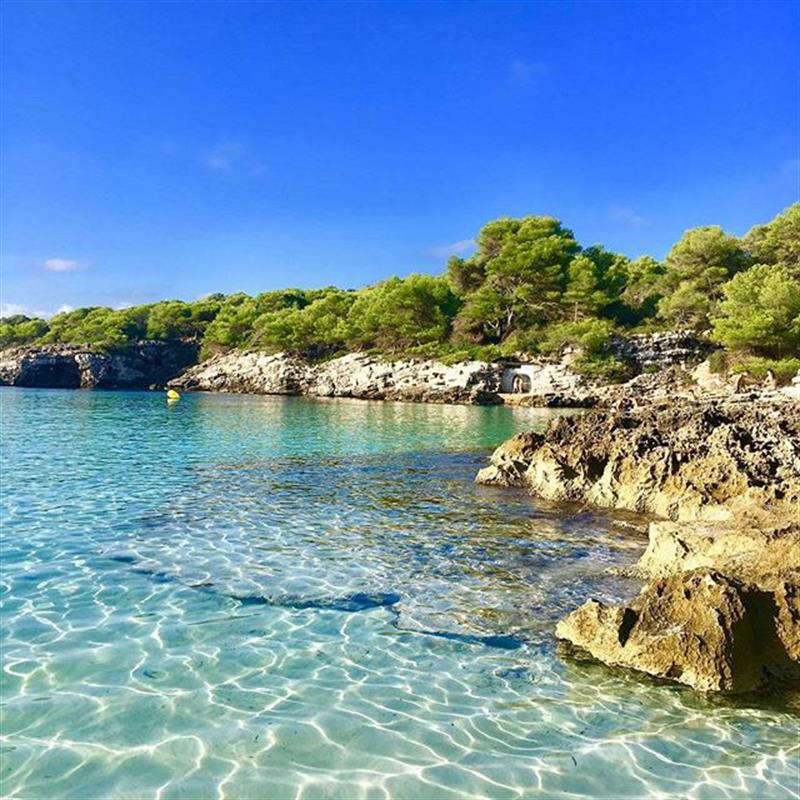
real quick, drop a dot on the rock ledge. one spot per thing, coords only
(721, 611)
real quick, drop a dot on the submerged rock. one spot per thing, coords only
(700, 628)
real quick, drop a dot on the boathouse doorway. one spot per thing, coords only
(516, 381)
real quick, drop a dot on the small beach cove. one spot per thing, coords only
(243, 597)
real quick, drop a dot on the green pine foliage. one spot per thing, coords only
(529, 287)
(695, 270)
(760, 312)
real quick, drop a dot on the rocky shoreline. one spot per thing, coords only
(144, 365)
(155, 364)
(718, 468)
(721, 607)
(356, 375)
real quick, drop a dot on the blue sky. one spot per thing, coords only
(156, 150)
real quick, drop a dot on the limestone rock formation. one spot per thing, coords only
(358, 375)
(138, 366)
(680, 461)
(700, 628)
(354, 375)
(247, 373)
(363, 376)
(722, 608)
(662, 349)
(763, 554)
(145, 364)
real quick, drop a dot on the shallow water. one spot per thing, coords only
(250, 597)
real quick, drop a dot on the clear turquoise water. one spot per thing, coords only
(249, 597)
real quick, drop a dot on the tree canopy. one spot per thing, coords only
(778, 242)
(515, 279)
(529, 286)
(694, 271)
(760, 312)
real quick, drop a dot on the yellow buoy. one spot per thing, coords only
(172, 395)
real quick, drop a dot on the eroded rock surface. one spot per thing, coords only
(765, 555)
(680, 461)
(700, 628)
(248, 373)
(139, 366)
(546, 383)
(363, 376)
(662, 349)
(722, 609)
(355, 375)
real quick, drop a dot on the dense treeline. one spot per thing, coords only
(529, 287)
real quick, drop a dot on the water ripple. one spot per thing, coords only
(264, 597)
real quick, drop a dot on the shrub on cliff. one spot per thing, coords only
(320, 328)
(757, 368)
(103, 327)
(239, 314)
(400, 313)
(174, 319)
(100, 326)
(594, 337)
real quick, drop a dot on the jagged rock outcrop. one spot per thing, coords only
(661, 361)
(700, 628)
(364, 377)
(545, 384)
(246, 373)
(668, 383)
(763, 551)
(681, 461)
(697, 384)
(662, 349)
(722, 609)
(355, 375)
(138, 366)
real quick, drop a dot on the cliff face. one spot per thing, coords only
(155, 364)
(357, 375)
(140, 366)
(354, 375)
(721, 610)
(661, 350)
(362, 376)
